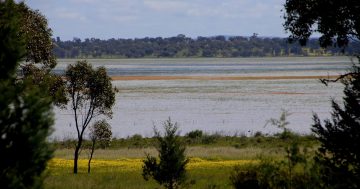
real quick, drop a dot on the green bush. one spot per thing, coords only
(170, 170)
(296, 171)
(245, 178)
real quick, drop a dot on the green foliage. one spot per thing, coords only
(296, 171)
(137, 141)
(25, 111)
(25, 123)
(194, 134)
(180, 46)
(100, 133)
(339, 152)
(91, 89)
(170, 170)
(337, 21)
(34, 29)
(12, 46)
(244, 178)
(54, 84)
(91, 94)
(37, 49)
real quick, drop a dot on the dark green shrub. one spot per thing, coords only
(170, 169)
(258, 134)
(245, 178)
(194, 134)
(294, 172)
(339, 153)
(210, 139)
(136, 141)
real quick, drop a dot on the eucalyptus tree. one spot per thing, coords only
(39, 59)
(91, 94)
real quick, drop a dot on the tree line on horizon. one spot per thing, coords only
(181, 46)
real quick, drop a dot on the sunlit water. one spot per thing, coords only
(226, 106)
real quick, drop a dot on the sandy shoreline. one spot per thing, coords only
(128, 78)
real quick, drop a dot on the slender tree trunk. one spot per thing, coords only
(76, 155)
(91, 154)
(171, 185)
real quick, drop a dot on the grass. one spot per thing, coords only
(203, 152)
(126, 173)
(212, 158)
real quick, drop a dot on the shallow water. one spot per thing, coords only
(226, 106)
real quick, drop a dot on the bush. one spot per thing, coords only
(339, 152)
(170, 170)
(245, 178)
(294, 172)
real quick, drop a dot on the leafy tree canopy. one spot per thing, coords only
(38, 58)
(338, 21)
(34, 29)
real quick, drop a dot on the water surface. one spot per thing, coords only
(226, 106)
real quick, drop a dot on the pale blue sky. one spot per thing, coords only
(106, 19)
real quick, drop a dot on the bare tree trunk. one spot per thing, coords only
(171, 185)
(91, 154)
(76, 155)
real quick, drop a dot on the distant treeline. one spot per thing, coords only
(182, 46)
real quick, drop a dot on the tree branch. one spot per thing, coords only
(343, 76)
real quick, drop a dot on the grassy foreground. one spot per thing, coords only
(126, 173)
(121, 165)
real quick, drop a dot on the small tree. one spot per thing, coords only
(100, 132)
(339, 152)
(91, 94)
(281, 123)
(170, 170)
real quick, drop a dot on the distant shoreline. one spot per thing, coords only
(200, 57)
(129, 78)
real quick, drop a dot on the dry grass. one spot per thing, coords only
(228, 153)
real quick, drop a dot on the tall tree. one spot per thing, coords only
(337, 21)
(170, 170)
(339, 152)
(91, 94)
(39, 59)
(25, 111)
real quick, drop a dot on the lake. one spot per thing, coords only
(217, 95)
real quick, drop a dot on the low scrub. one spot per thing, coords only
(296, 171)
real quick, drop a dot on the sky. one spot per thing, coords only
(107, 19)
